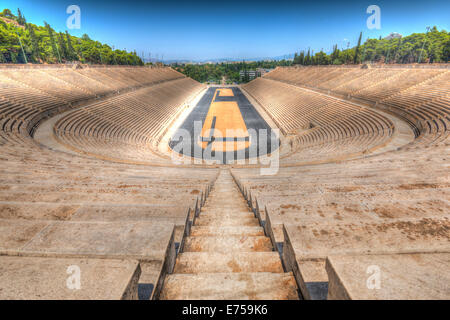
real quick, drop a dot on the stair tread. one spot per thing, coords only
(230, 286)
(224, 211)
(218, 221)
(227, 230)
(224, 206)
(227, 215)
(228, 244)
(214, 262)
(227, 255)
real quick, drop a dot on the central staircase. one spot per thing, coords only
(227, 255)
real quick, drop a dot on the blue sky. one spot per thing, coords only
(198, 30)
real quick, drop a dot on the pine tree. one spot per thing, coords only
(446, 51)
(2, 58)
(20, 18)
(13, 56)
(52, 41)
(301, 58)
(335, 55)
(70, 50)
(355, 59)
(397, 50)
(7, 14)
(308, 57)
(62, 46)
(34, 42)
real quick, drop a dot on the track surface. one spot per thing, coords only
(219, 110)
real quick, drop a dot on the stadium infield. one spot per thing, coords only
(224, 126)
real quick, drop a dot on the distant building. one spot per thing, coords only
(393, 35)
(252, 74)
(261, 72)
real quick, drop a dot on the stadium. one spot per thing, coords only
(309, 182)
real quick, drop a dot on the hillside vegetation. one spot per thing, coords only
(215, 72)
(430, 47)
(42, 44)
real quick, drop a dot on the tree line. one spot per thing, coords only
(22, 42)
(432, 46)
(215, 72)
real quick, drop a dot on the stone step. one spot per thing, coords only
(222, 210)
(223, 187)
(227, 255)
(230, 286)
(225, 193)
(39, 278)
(227, 244)
(417, 276)
(211, 262)
(228, 214)
(219, 221)
(218, 193)
(225, 206)
(226, 203)
(226, 231)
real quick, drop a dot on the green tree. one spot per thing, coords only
(355, 59)
(20, 18)
(301, 57)
(307, 60)
(13, 56)
(70, 50)
(52, 42)
(62, 46)
(41, 44)
(335, 55)
(446, 51)
(34, 43)
(7, 14)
